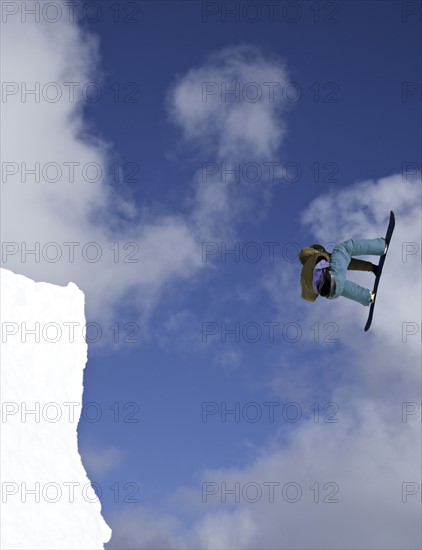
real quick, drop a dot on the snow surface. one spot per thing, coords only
(47, 500)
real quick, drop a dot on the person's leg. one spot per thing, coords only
(356, 292)
(364, 247)
(339, 262)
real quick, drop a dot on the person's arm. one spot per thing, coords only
(309, 251)
(318, 247)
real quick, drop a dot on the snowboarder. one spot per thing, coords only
(324, 274)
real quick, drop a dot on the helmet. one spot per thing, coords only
(326, 284)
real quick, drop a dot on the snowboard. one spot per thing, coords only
(388, 235)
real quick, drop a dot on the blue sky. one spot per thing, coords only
(353, 124)
(369, 132)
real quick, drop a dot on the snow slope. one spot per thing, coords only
(47, 500)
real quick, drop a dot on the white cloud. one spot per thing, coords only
(99, 462)
(241, 125)
(80, 211)
(229, 361)
(237, 137)
(366, 460)
(140, 528)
